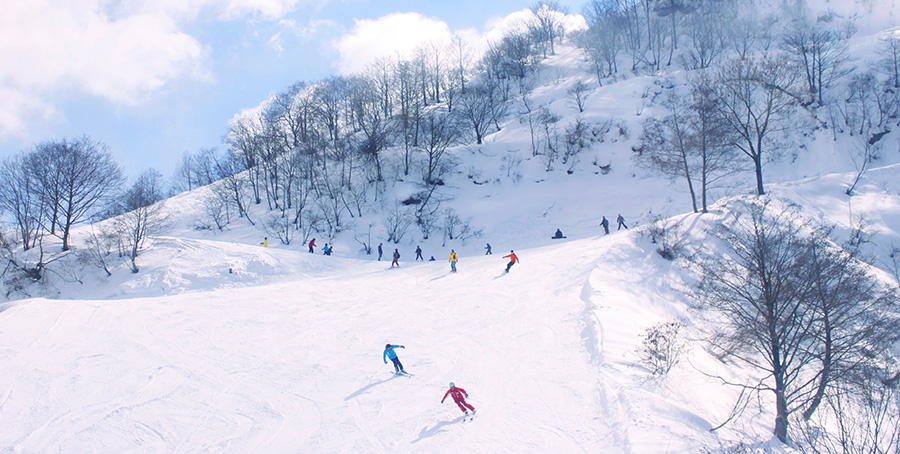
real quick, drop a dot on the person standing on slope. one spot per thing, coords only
(419, 253)
(513, 259)
(380, 251)
(457, 394)
(453, 259)
(605, 224)
(312, 244)
(389, 353)
(488, 248)
(621, 222)
(396, 258)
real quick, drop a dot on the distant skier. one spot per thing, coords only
(396, 258)
(488, 248)
(457, 394)
(326, 250)
(558, 234)
(312, 244)
(621, 222)
(380, 251)
(513, 259)
(419, 254)
(389, 353)
(265, 242)
(431, 259)
(453, 259)
(605, 224)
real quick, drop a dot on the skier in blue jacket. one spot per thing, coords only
(390, 353)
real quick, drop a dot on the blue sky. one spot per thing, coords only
(155, 78)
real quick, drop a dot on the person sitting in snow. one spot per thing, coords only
(326, 250)
(457, 394)
(390, 353)
(265, 242)
(558, 234)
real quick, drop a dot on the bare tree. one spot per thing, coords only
(602, 42)
(579, 93)
(397, 222)
(820, 53)
(548, 136)
(144, 218)
(375, 127)
(244, 145)
(755, 285)
(87, 176)
(233, 185)
(863, 152)
(748, 32)
(799, 309)
(410, 111)
(889, 59)
(860, 418)
(475, 108)
(754, 99)
(439, 132)
(853, 321)
(666, 144)
(577, 138)
(99, 247)
(712, 140)
(195, 170)
(20, 197)
(547, 25)
(706, 36)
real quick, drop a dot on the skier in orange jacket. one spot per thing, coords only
(513, 259)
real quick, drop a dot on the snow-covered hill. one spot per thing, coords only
(221, 345)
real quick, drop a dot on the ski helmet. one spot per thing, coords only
(387, 346)
(452, 385)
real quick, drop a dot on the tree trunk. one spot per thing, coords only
(757, 162)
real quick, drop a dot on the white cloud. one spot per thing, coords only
(399, 34)
(123, 51)
(289, 28)
(391, 35)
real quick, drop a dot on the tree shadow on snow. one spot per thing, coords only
(438, 428)
(368, 387)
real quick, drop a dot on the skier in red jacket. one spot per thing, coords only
(513, 259)
(458, 394)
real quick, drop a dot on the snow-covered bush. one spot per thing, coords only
(661, 347)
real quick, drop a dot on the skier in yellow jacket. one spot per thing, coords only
(453, 259)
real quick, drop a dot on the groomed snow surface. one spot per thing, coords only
(546, 352)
